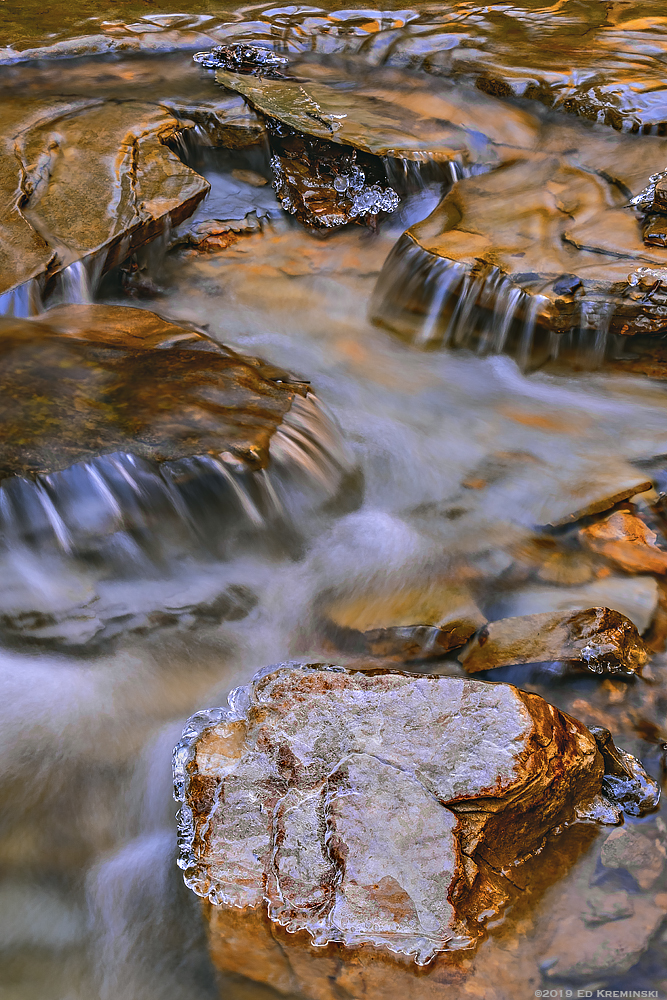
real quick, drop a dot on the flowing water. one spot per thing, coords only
(414, 468)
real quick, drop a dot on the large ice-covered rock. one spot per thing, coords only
(379, 811)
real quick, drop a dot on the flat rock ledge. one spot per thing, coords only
(118, 412)
(379, 814)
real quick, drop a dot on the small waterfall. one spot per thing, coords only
(22, 301)
(120, 503)
(407, 176)
(435, 302)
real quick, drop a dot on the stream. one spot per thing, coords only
(445, 445)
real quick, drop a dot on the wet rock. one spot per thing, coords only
(533, 259)
(625, 539)
(324, 107)
(324, 187)
(68, 200)
(636, 598)
(640, 853)
(293, 816)
(581, 951)
(655, 230)
(375, 111)
(582, 496)
(115, 419)
(80, 614)
(210, 115)
(601, 640)
(128, 380)
(247, 59)
(408, 623)
(625, 783)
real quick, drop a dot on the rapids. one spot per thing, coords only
(404, 467)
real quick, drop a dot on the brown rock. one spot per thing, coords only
(66, 199)
(521, 259)
(328, 128)
(626, 540)
(412, 622)
(581, 951)
(602, 640)
(642, 855)
(82, 381)
(293, 824)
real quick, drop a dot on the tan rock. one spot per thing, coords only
(603, 641)
(369, 812)
(581, 951)
(410, 622)
(626, 540)
(542, 246)
(642, 855)
(67, 199)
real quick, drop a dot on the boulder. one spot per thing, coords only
(375, 813)
(601, 640)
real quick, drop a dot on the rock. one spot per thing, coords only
(257, 60)
(581, 951)
(113, 417)
(169, 81)
(320, 108)
(603, 641)
(78, 613)
(295, 805)
(166, 391)
(628, 541)
(625, 783)
(601, 906)
(636, 598)
(408, 623)
(486, 269)
(377, 112)
(68, 200)
(640, 854)
(324, 187)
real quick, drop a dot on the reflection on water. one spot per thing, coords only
(458, 471)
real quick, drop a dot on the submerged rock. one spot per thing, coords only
(628, 541)
(640, 853)
(67, 199)
(603, 641)
(374, 811)
(408, 623)
(109, 413)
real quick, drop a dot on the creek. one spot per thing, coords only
(449, 444)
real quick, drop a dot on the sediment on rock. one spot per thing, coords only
(109, 413)
(601, 640)
(294, 806)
